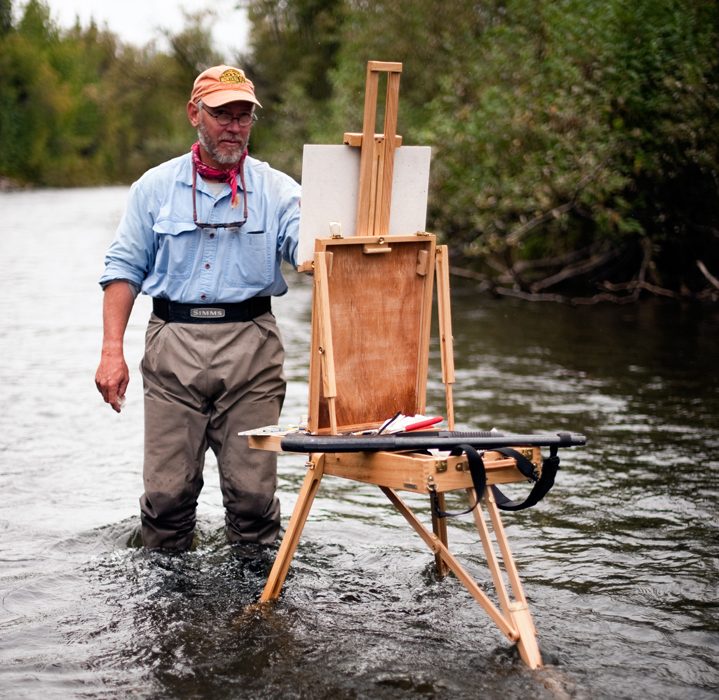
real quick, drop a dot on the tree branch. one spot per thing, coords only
(711, 279)
(574, 270)
(516, 236)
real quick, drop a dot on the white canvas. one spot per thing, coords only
(330, 187)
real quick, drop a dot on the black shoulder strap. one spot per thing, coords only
(542, 486)
(479, 480)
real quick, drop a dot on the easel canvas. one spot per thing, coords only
(330, 189)
(371, 318)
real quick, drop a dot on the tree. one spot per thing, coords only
(5, 17)
(575, 143)
(293, 51)
(77, 107)
(32, 99)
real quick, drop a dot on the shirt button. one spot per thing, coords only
(207, 266)
(203, 297)
(212, 235)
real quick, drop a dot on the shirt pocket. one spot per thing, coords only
(177, 244)
(250, 259)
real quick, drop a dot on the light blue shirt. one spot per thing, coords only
(159, 249)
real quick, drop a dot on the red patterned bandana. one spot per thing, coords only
(228, 176)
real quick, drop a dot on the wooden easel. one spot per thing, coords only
(371, 318)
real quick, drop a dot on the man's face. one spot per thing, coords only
(223, 145)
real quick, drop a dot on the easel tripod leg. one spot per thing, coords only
(514, 619)
(439, 527)
(517, 610)
(504, 625)
(278, 574)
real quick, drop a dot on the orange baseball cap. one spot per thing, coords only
(222, 84)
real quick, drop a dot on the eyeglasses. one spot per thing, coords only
(232, 226)
(225, 118)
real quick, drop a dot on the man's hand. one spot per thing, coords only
(112, 376)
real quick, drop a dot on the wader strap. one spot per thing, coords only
(550, 465)
(479, 480)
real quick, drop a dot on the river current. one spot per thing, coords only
(619, 562)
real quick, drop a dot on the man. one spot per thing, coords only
(204, 235)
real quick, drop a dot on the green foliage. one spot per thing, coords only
(564, 132)
(33, 103)
(79, 108)
(293, 48)
(5, 17)
(192, 49)
(665, 109)
(558, 128)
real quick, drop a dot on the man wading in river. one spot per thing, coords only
(204, 235)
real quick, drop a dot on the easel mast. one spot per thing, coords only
(377, 155)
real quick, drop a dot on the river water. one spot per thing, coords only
(619, 562)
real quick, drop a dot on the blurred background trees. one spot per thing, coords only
(575, 144)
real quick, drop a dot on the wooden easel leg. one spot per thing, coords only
(278, 574)
(324, 328)
(444, 307)
(527, 642)
(439, 525)
(517, 610)
(439, 528)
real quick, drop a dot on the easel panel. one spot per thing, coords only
(379, 307)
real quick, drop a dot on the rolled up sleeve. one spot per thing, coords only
(129, 256)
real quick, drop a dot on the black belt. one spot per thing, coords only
(174, 312)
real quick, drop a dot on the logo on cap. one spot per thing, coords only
(232, 75)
